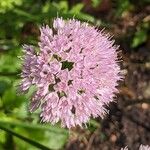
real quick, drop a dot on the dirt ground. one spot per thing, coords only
(128, 122)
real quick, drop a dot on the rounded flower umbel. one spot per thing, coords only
(75, 72)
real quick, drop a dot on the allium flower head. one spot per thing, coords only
(75, 72)
(142, 147)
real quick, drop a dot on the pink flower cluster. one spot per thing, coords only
(142, 147)
(75, 72)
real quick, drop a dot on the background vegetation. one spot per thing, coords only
(129, 22)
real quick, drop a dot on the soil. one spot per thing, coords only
(128, 122)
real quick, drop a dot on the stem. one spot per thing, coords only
(9, 144)
(9, 73)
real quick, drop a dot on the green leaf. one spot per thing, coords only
(48, 127)
(25, 14)
(122, 6)
(96, 3)
(9, 64)
(139, 38)
(8, 4)
(4, 85)
(85, 17)
(2, 135)
(63, 6)
(30, 141)
(50, 136)
(10, 100)
(93, 125)
(77, 8)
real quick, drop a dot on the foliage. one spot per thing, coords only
(141, 34)
(9, 4)
(95, 3)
